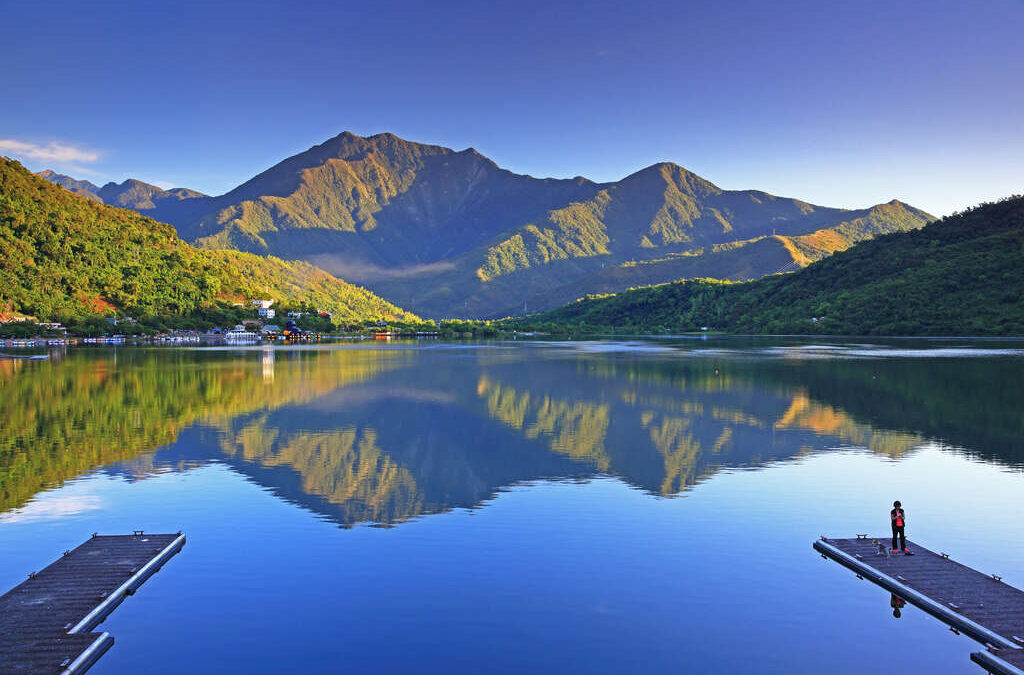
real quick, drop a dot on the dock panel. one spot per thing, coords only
(46, 620)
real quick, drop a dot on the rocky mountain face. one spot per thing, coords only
(450, 233)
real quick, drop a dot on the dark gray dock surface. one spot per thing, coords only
(976, 604)
(46, 621)
(1003, 662)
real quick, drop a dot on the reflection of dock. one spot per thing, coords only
(47, 620)
(978, 605)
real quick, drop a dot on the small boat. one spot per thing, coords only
(25, 357)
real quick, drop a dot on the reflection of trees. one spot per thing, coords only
(60, 418)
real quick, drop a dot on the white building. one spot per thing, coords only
(263, 308)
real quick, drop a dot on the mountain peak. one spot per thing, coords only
(672, 174)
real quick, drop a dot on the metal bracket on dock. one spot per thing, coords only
(996, 577)
(137, 533)
(859, 536)
(945, 555)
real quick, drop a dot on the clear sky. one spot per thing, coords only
(842, 103)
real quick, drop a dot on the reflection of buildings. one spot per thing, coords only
(267, 364)
(382, 435)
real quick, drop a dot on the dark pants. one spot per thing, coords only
(897, 530)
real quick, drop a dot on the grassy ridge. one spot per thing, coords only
(958, 276)
(65, 256)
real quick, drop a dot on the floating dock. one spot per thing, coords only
(47, 620)
(978, 605)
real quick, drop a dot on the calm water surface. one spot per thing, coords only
(599, 507)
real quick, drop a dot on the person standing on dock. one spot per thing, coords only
(899, 522)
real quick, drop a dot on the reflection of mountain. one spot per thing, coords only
(573, 428)
(62, 417)
(803, 413)
(345, 467)
(384, 435)
(665, 433)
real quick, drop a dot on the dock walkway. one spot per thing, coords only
(978, 605)
(46, 621)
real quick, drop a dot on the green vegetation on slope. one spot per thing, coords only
(65, 256)
(959, 276)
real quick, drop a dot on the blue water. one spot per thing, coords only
(588, 507)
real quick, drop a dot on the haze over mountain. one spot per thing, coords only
(448, 232)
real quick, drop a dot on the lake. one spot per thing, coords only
(594, 507)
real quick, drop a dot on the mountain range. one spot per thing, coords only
(445, 232)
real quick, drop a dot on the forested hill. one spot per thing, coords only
(63, 255)
(961, 275)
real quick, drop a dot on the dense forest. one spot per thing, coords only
(961, 275)
(63, 256)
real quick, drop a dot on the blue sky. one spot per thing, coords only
(839, 103)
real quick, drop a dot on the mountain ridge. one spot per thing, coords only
(442, 231)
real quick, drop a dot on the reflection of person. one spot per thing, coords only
(899, 522)
(896, 602)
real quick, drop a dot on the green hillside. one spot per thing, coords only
(64, 255)
(961, 275)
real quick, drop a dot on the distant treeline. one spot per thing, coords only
(962, 275)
